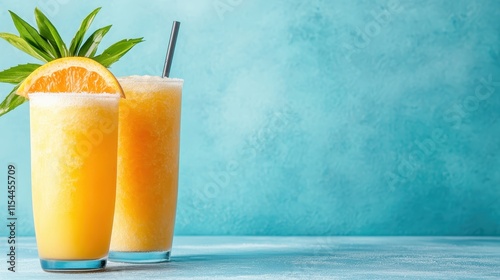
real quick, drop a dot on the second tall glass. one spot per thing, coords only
(148, 163)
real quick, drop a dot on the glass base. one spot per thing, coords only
(76, 265)
(139, 257)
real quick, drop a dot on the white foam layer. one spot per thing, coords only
(146, 78)
(150, 83)
(73, 99)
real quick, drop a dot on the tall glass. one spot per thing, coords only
(73, 169)
(148, 163)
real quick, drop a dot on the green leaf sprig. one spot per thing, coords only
(45, 44)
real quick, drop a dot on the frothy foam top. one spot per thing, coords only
(147, 78)
(145, 84)
(73, 99)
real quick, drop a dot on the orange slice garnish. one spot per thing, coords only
(71, 75)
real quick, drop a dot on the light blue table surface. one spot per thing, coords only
(295, 257)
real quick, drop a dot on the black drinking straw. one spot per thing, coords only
(171, 48)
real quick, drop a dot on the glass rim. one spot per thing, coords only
(82, 95)
(149, 79)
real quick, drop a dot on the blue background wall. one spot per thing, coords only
(311, 117)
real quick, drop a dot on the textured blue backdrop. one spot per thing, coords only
(312, 117)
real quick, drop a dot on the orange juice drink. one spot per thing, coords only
(148, 163)
(73, 160)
